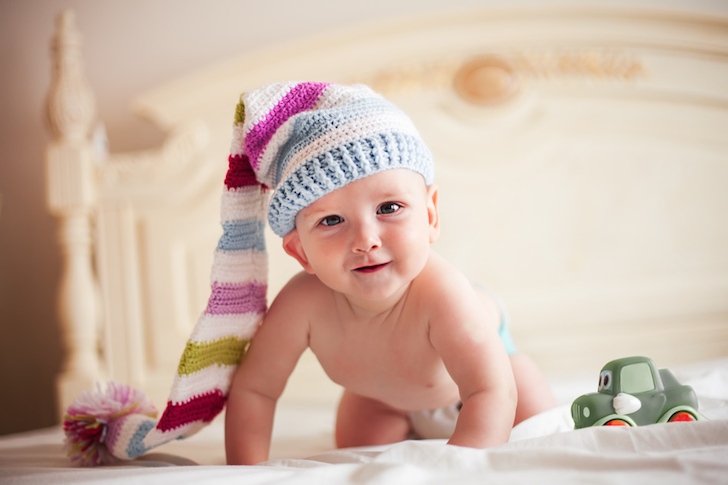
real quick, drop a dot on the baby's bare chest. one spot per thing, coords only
(388, 362)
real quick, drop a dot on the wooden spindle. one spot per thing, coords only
(71, 196)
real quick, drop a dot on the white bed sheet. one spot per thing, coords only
(543, 449)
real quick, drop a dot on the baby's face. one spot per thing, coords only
(370, 238)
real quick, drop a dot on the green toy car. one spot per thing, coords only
(633, 392)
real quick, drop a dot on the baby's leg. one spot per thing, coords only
(534, 394)
(362, 421)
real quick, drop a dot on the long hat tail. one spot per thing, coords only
(120, 423)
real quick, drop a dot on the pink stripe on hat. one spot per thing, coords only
(237, 298)
(301, 98)
(240, 172)
(202, 408)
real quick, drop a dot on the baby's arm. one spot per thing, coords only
(465, 333)
(261, 377)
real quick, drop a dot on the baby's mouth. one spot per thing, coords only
(370, 269)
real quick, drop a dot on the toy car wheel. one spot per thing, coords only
(616, 422)
(681, 416)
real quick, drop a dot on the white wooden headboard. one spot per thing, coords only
(582, 159)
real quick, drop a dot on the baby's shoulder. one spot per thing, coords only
(449, 299)
(441, 285)
(302, 293)
(440, 277)
(444, 292)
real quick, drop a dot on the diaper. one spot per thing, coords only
(440, 423)
(504, 331)
(434, 423)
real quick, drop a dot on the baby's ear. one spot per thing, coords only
(293, 247)
(433, 212)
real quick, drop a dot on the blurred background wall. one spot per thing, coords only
(130, 47)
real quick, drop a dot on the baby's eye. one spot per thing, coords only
(331, 220)
(388, 208)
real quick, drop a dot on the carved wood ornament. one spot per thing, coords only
(490, 79)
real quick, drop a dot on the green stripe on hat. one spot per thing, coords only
(199, 355)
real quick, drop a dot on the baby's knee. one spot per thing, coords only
(362, 421)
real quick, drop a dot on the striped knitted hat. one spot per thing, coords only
(292, 144)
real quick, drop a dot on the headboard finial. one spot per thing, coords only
(70, 105)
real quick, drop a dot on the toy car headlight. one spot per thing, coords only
(580, 411)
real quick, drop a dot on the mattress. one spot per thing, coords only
(543, 449)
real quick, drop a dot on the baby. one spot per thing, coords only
(419, 351)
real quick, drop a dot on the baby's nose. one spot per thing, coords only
(366, 239)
